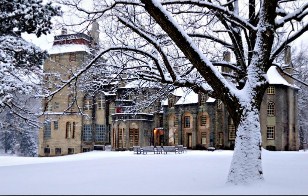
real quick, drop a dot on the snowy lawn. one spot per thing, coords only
(126, 173)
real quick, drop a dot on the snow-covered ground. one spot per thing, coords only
(126, 173)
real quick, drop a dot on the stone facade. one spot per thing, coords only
(76, 122)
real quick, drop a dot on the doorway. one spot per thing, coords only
(189, 140)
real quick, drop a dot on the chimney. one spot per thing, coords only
(288, 64)
(227, 56)
(63, 31)
(95, 32)
(287, 55)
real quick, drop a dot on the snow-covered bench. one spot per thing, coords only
(211, 149)
(167, 149)
(137, 149)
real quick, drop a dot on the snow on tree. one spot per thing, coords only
(181, 43)
(300, 63)
(21, 61)
(17, 135)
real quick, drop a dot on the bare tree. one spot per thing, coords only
(181, 43)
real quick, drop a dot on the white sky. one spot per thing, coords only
(125, 173)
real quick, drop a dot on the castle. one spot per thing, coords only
(75, 121)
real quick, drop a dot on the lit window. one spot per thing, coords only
(270, 132)
(271, 90)
(271, 109)
(203, 120)
(186, 121)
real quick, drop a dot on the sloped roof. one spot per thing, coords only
(67, 48)
(274, 77)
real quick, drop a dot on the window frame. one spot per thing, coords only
(187, 122)
(203, 120)
(270, 130)
(270, 90)
(270, 108)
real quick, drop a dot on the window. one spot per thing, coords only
(203, 120)
(186, 121)
(100, 103)
(68, 130)
(48, 80)
(74, 129)
(85, 149)
(58, 151)
(231, 129)
(47, 129)
(46, 150)
(121, 133)
(49, 107)
(70, 151)
(72, 57)
(270, 132)
(176, 121)
(57, 57)
(55, 125)
(270, 109)
(87, 133)
(88, 103)
(271, 90)
(100, 133)
(203, 137)
(133, 137)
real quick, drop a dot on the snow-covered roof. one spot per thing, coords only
(210, 100)
(66, 48)
(274, 77)
(140, 83)
(164, 102)
(179, 92)
(189, 98)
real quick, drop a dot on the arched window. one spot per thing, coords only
(68, 130)
(74, 129)
(88, 103)
(271, 109)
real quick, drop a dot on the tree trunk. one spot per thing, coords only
(246, 165)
